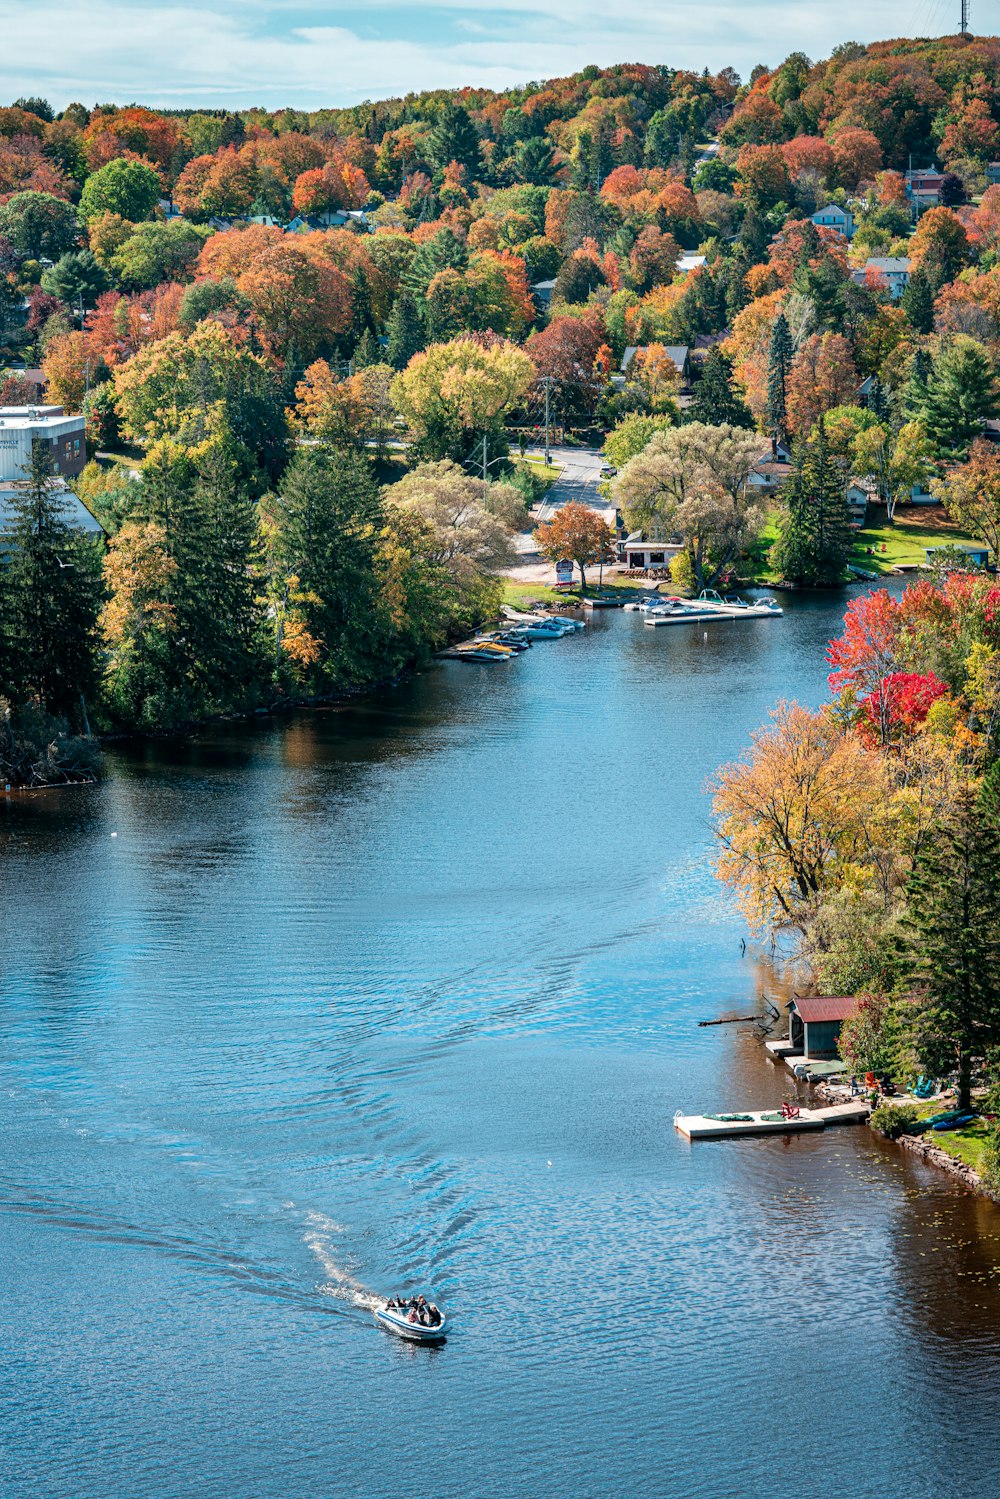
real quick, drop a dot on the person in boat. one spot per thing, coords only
(433, 1315)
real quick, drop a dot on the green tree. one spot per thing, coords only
(962, 392)
(76, 277)
(714, 400)
(129, 188)
(779, 362)
(405, 331)
(37, 224)
(918, 302)
(50, 596)
(534, 161)
(954, 898)
(444, 251)
(367, 351)
(454, 138)
(814, 540)
(157, 252)
(323, 526)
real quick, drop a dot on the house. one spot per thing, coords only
(893, 269)
(993, 173)
(771, 469)
(20, 426)
(691, 263)
(860, 494)
(923, 188)
(814, 1023)
(976, 556)
(679, 354)
(637, 552)
(542, 292)
(834, 217)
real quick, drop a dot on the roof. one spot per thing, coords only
(676, 353)
(889, 264)
(813, 1008)
(74, 511)
(845, 213)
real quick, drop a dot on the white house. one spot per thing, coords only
(691, 263)
(834, 217)
(893, 269)
(639, 553)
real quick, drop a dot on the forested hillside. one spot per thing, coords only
(297, 338)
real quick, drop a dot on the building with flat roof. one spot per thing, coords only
(20, 426)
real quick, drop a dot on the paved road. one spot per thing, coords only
(581, 472)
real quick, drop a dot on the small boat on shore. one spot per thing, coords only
(398, 1320)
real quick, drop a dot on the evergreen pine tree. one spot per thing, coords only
(714, 400)
(779, 362)
(368, 351)
(51, 595)
(915, 393)
(405, 331)
(454, 138)
(443, 251)
(361, 308)
(917, 302)
(328, 515)
(814, 541)
(962, 391)
(954, 899)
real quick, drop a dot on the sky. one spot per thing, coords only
(238, 53)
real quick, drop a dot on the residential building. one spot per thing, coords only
(832, 216)
(771, 469)
(894, 270)
(860, 494)
(691, 263)
(20, 426)
(647, 554)
(679, 354)
(976, 556)
(542, 292)
(923, 188)
(993, 173)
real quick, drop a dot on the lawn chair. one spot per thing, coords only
(789, 1110)
(924, 1088)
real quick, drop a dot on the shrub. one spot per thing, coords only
(989, 1170)
(892, 1119)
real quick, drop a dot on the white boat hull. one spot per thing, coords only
(412, 1332)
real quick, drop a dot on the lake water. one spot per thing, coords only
(405, 995)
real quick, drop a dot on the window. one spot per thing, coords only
(637, 559)
(655, 557)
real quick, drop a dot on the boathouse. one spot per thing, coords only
(814, 1022)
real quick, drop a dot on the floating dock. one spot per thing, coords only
(767, 1121)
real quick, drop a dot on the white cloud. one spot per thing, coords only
(241, 54)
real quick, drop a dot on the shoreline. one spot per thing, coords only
(917, 1145)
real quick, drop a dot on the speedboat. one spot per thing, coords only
(540, 629)
(644, 605)
(396, 1320)
(736, 607)
(570, 624)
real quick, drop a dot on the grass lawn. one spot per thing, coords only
(904, 541)
(542, 470)
(517, 594)
(965, 1144)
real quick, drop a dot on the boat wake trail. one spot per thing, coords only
(340, 1283)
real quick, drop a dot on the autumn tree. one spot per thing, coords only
(896, 461)
(455, 393)
(462, 537)
(822, 375)
(972, 494)
(137, 625)
(691, 481)
(578, 534)
(805, 810)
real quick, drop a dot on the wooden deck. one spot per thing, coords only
(702, 1127)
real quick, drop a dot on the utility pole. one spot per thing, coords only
(547, 381)
(486, 488)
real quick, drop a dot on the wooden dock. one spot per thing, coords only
(767, 1121)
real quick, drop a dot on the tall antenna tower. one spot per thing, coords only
(964, 29)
